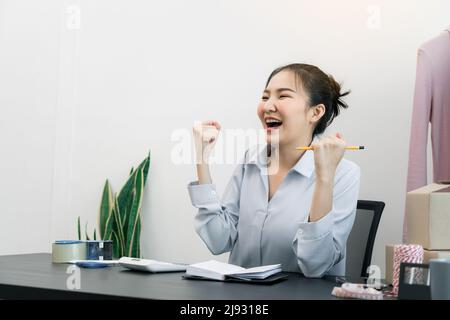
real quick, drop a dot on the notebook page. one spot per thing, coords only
(216, 267)
(260, 269)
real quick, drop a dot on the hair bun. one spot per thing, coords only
(336, 89)
(337, 95)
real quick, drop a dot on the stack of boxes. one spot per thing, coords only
(427, 222)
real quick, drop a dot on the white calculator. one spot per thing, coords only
(148, 265)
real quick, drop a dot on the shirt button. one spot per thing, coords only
(300, 231)
(213, 193)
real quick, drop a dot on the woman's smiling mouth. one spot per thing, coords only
(272, 123)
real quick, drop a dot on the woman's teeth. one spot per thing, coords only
(272, 123)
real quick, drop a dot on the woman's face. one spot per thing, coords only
(283, 110)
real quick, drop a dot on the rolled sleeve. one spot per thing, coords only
(203, 194)
(216, 220)
(320, 245)
(316, 230)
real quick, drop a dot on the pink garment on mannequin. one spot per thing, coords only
(431, 105)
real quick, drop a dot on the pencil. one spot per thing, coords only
(346, 148)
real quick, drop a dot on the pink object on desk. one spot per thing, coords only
(356, 291)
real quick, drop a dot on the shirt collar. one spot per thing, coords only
(305, 165)
(257, 155)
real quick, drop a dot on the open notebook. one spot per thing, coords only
(216, 270)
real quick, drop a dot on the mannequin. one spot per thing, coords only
(431, 106)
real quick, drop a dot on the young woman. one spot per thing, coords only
(296, 209)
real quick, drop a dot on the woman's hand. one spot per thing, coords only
(328, 152)
(205, 137)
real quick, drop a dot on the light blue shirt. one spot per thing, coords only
(261, 232)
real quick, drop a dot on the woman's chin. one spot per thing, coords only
(272, 136)
(274, 140)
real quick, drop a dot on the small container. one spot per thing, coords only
(99, 249)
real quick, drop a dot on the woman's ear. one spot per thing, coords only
(316, 112)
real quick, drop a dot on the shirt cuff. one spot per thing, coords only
(202, 193)
(317, 229)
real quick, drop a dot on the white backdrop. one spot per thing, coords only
(88, 87)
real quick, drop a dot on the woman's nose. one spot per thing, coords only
(269, 107)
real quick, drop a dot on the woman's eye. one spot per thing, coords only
(282, 97)
(264, 98)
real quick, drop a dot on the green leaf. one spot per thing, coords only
(136, 243)
(79, 228)
(128, 207)
(95, 235)
(124, 195)
(116, 245)
(134, 216)
(131, 171)
(109, 227)
(119, 227)
(106, 206)
(85, 231)
(146, 167)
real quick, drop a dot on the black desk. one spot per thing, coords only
(33, 276)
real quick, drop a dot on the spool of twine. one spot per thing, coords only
(409, 253)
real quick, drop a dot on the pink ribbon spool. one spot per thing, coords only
(410, 253)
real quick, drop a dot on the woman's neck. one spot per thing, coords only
(287, 156)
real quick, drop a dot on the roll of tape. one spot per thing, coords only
(64, 251)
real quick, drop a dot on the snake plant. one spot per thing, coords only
(120, 214)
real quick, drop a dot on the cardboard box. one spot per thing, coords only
(427, 255)
(428, 216)
(389, 263)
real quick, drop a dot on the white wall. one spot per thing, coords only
(84, 99)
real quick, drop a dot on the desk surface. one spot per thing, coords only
(35, 276)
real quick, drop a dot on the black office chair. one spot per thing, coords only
(362, 237)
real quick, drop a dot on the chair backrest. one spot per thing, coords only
(362, 237)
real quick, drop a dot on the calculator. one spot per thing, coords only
(148, 265)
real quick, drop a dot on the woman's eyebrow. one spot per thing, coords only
(281, 89)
